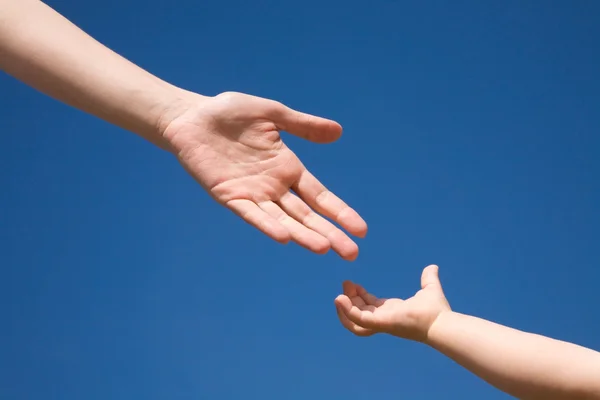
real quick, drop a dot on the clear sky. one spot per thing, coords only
(471, 140)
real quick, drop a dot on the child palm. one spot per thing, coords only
(364, 314)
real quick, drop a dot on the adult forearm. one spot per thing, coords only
(44, 50)
(524, 365)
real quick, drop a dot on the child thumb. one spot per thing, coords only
(430, 277)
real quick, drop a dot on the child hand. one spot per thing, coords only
(364, 314)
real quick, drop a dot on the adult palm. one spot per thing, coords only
(231, 145)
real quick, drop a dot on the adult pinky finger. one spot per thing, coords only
(252, 214)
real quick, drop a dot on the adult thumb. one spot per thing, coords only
(306, 126)
(430, 277)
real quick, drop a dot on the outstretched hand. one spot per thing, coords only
(231, 145)
(364, 314)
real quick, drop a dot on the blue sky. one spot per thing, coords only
(471, 140)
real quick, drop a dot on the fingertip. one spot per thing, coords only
(430, 276)
(322, 246)
(314, 242)
(281, 235)
(343, 303)
(343, 245)
(361, 232)
(351, 257)
(347, 286)
(329, 130)
(432, 268)
(278, 233)
(359, 229)
(436, 272)
(353, 222)
(349, 251)
(336, 128)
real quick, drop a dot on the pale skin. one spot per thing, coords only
(229, 143)
(524, 365)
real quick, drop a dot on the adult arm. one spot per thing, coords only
(46, 51)
(229, 143)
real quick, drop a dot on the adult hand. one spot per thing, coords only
(364, 314)
(231, 145)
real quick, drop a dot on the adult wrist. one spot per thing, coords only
(181, 102)
(177, 103)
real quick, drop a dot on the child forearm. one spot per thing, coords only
(524, 365)
(44, 50)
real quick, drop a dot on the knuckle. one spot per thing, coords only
(322, 197)
(228, 95)
(275, 109)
